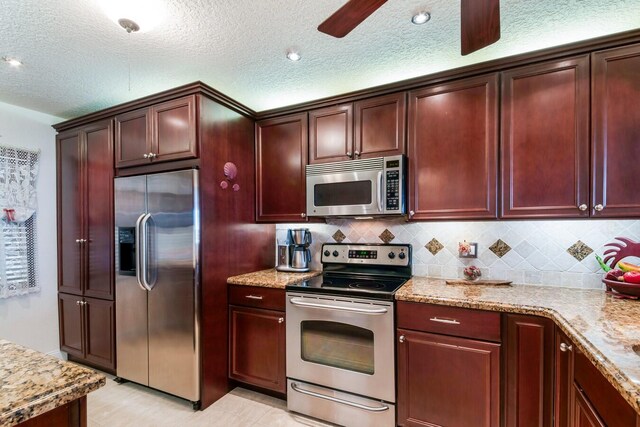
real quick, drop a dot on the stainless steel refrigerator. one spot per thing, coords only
(157, 289)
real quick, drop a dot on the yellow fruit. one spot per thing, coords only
(627, 266)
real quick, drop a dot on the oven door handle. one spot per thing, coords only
(300, 302)
(382, 408)
(380, 190)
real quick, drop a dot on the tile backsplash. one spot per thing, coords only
(554, 253)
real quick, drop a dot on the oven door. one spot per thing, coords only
(354, 193)
(343, 343)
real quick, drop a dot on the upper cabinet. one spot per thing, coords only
(162, 132)
(85, 225)
(615, 131)
(373, 127)
(453, 149)
(545, 140)
(281, 157)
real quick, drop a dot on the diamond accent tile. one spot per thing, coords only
(386, 236)
(339, 236)
(434, 246)
(500, 248)
(579, 250)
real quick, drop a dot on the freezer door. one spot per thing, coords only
(172, 276)
(131, 299)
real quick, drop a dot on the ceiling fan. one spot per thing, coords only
(480, 21)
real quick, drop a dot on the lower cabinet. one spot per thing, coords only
(447, 380)
(257, 346)
(87, 330)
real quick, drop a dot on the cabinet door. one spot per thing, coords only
(331, 134)
(70, 202)
(133, 138)
(447, 381)
(453, 150)
(380, 126)
(257, 347)
(98, 209)
(71, 327)
(100, 333)
(281, 156)
(583, 413)
(563, 382)
(545, 140)
(615, 116)
(529, 371)
(174, 129)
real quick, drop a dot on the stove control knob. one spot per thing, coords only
(402, 255)
(327, 253)
(335, 253)
(392, 255)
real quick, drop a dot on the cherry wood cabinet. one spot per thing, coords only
(615, 132)
(529, 369)
(257, 337)
(583, 414)
(162, 132)
(72, 414)
(545, 140)
(453, 150)
(87, 330)
(281, 157)
(563, 379)
(85, 211)
(373, 127)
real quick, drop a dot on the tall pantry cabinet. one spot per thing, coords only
(85, 244)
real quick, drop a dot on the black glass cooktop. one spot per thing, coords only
(378, 287)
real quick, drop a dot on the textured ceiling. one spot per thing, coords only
(75, 58)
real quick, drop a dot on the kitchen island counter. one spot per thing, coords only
(271, 278)
(33, 383)
(605, 328)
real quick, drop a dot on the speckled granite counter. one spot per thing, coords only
(271, 278)
(32, 383)
(606, 329)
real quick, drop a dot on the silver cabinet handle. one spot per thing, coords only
(401, 339)
(411, 213)
(303, 215)
(78, 240)
(357, 153)
(300, 302)
(281, 320)
(297, 388)
(145, 155)
(598, 207)
(565, 347)
(78, 302)
(583, 207)
(258, 297)
(153, 155)
(349, 154)
(447, 321)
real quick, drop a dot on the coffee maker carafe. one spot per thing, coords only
(295, 255)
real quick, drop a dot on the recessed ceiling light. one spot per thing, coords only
(293, 56)
(11, 61)
(421, 18)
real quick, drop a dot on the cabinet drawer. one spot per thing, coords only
(439, 319)
(256, 296)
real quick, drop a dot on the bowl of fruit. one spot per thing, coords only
(624, 280)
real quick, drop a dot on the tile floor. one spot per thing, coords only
(118, 405)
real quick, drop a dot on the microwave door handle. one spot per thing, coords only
(380, 189)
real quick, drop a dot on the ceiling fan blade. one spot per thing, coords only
(480, 24)
(349, 17)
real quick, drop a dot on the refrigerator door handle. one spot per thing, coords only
(141, 251)
(139, 262)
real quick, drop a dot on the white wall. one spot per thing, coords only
(32, 320)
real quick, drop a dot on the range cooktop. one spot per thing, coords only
(363, 271)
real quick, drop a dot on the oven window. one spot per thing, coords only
(342, 193)
(339, 345)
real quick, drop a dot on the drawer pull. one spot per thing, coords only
(258, 297)
(565, 347)
(281, 320)
(447, 321)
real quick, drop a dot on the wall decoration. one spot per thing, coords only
(18, 204)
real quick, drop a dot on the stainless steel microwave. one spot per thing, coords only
(357, 188)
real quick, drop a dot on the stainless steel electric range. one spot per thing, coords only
(340, 335)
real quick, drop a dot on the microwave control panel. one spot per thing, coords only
(393, 188)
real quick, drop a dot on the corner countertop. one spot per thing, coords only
(606, 329)
(32, 383)
(271, 278)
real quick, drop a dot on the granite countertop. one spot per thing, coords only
(32, 383)
(605, 328)
(271, 278)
